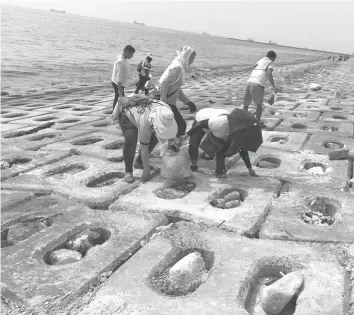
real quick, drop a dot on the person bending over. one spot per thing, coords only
(148, 124)
(215, 123)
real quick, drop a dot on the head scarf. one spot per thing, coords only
(181, 60)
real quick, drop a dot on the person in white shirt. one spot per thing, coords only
(262, 72)
(120, 75)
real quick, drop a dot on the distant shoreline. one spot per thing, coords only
(277, 45)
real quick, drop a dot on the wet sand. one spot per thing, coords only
(62, 158)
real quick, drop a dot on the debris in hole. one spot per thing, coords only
(183, 277)
(333, 145)
(276, 296)
(63, 257)
(177, 191)
(229, 201)
(83, 241)
(317, 218)
(4, 165)
(232, 196)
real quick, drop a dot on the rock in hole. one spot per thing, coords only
(63, 257)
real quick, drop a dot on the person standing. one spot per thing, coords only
(144, 69)
(171, 82)
(120, 75)
(262, 72)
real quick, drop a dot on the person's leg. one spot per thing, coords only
(257, 93)
(116, 94)
(153, 142)
(194, 142)
(130, 134)
(181, 123)
(247, 99)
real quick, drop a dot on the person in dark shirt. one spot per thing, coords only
(144, 75)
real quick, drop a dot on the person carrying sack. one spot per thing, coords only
(147, 121)
(170, 83)
(219, 142)
(144, 68)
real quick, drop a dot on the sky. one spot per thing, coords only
(323, 25)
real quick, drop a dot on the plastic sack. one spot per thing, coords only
(175, 165)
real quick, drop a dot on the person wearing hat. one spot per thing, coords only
(171, 82)
(144, 74)
(214, 122)
(147, 123)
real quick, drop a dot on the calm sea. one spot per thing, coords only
(45, 51)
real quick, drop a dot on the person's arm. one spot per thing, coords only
(185, 100)
(120, 78)
(271, 80)
(145, 159)
(246, 159)
(169, 80)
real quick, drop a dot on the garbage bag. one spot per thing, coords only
(175, 165)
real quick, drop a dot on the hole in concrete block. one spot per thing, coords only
(14, 115)
(316, 168)
(321, 211)
(176, 191)
(227, 197)
(264, 275)
(312, 106)
(333, 145)
(339, 117)
(336, 108)
(66, 169)
(80, 109)
(181, 272)
(103, 124)
(108, 111)
(68, 121)
(105, 180)
(265, 272)
(76, 247)
(43, 136)
(114, 145)
(86, 141)
(268, 162)
(116, 159)
(3, 112)
(24, 229)
(278, 139)
(63, 107)
(298, 126)
(46, 118)
(329, 128)
(300, 115)
(17, 161)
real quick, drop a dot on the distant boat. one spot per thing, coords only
(139, 23)
(58, 11)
